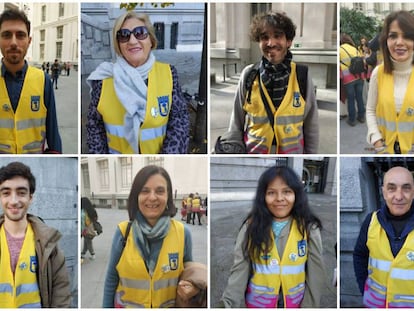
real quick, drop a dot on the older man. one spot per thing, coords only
(384, 252)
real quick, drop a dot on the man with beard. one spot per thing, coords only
(28, 121)
(33, 273)
(384, 251)
(275, 107)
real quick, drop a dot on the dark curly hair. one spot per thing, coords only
(272, 19)
(18, 169)
(259, 220)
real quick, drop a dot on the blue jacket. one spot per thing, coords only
(361, 251)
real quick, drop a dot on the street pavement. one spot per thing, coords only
(226, 219)
(93, 271)
(66, 97)
(221, 105)
(353, 139)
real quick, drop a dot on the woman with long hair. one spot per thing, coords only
(390, 110)
(278, 252)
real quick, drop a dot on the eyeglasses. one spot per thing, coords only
(140, 33)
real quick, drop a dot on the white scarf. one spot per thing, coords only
(131, 90)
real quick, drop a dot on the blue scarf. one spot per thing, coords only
(131, 90)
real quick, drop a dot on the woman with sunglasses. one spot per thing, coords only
(390, 109)
(136, 103)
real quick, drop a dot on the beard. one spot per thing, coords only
(16, 217)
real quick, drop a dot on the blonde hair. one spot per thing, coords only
(139, 16)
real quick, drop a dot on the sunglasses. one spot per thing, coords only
(140, 33)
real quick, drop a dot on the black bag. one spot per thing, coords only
(98, 227)
(357, 64)
(230, 143)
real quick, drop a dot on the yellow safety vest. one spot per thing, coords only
(154, 127)
(21, 289)
(395, 127)
(196, 205)
(288, 120)
(137, 288)
(390, 280)
(270, 274)
(24, 131)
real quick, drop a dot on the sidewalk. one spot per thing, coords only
(353, 139)
(93, 271)
(66, 97)
(226, 219)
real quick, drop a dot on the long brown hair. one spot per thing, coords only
(406, 22)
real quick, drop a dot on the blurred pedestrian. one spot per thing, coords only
(89, 217)
(55, 73)
(353, 83)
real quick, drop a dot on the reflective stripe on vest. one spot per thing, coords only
(21, 289)
(288, 120)
(136, 287)
(154, 127)
(392, 127)
(24, 131)
(270, 274)
(390, 280)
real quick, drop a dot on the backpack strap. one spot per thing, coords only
(250, 77)
(302, 76)
(125, 238)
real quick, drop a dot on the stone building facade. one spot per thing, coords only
(179, 30)
(107, 180)
(235, 178)
(314, 45)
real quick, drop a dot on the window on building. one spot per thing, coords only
(174, 36)
(58, 50)
(103, 174)
(377, 8)
(85, 176)
(59, 32)
(359, 6)
(43, 13)
(42, 35)
(42, 51)
(160, 34)
(61, 9)
(126, 171)
(159, 161)
(258, 8)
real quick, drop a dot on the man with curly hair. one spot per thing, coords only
(275, 107)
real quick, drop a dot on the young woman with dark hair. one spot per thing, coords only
(278, 253)
(150, 250)
(390, 113)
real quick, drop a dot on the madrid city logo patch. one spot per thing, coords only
(163, 105)
(173, 260)
(35, 103)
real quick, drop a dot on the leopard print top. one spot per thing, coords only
(177, 136)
